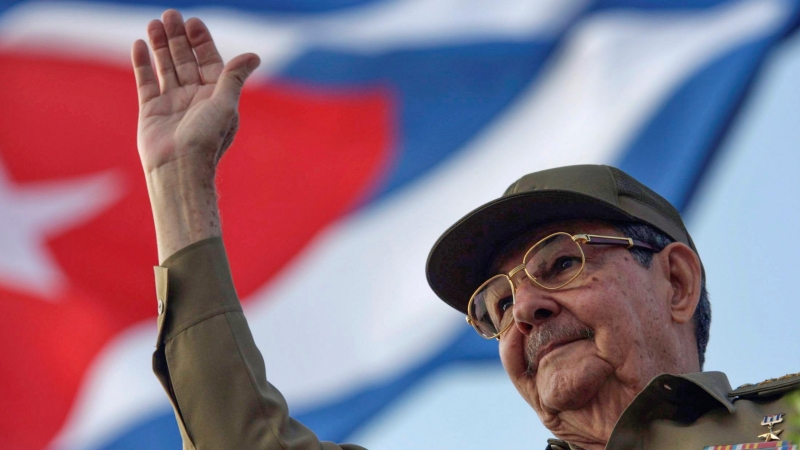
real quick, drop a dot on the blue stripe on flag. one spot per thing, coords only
(445, 95)
(658, 5)
(673, 150)
(157, 432)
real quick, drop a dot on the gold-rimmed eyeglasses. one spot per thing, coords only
(551, 263)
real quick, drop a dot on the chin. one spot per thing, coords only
(563, 387)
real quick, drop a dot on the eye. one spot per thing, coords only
(504, 304)
(565, 263)
(560, 269)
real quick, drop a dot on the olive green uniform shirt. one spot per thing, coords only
(215, 377)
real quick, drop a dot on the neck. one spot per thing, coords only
(589, 427)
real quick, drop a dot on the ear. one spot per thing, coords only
(682, 265)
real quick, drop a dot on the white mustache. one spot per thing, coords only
(548, 334)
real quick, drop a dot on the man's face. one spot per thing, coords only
(596, 341)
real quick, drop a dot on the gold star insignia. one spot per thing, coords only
(770, 435)
(771, 421)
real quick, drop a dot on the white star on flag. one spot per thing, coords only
(32, 212)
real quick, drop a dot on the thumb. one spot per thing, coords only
(234, 75)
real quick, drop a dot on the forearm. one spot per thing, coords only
(209, 364)
(183, 198)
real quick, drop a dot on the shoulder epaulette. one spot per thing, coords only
(773, 386)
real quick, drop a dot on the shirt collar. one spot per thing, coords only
(676, 397)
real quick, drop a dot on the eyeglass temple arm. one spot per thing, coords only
(613, 240)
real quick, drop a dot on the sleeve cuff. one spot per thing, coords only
(193, 285)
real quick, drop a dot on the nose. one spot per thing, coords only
(533, 306)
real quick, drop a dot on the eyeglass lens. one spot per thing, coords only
(551, 263)
(489, 305)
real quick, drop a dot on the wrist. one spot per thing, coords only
(183, 198)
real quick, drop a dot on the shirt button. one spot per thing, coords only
(160, 307)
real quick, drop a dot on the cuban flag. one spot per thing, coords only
(370, 127)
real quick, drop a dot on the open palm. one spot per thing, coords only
(190, 109)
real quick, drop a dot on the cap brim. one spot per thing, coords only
(459, 261)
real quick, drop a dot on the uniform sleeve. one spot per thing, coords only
(209, 365)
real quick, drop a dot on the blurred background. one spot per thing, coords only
(370, 127)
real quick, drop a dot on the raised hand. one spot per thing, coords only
(190, 109)
(187, 119)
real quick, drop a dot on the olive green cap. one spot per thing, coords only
(460, 259)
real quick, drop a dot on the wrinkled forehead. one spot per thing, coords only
(511, 254)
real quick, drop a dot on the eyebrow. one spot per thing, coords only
(549, 241)
(495, 269)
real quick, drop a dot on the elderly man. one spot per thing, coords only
(588, 280)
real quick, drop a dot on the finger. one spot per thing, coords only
(233, 77)
(179, 48)
(146, 83)
(164, 65)
(208, 57)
